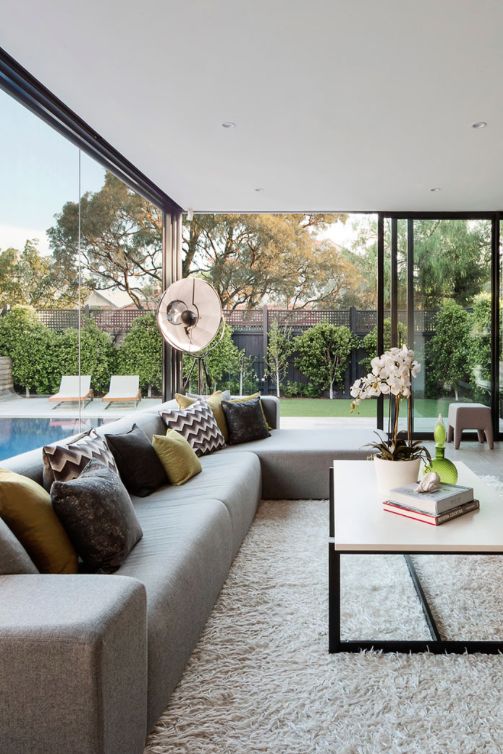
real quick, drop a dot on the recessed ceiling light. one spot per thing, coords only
(259, 189)
(436, 188)
(479, 124)
(228, 124)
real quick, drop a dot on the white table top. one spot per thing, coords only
(362, 525)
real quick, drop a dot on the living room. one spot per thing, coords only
(216, 222)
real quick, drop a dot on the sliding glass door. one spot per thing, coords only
(440, 282)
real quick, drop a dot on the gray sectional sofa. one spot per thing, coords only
(88, 662)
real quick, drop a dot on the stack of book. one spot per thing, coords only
(437, 507)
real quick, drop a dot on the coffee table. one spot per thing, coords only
(359, 525)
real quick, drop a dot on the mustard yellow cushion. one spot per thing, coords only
(244, 398)
(26, 509)
(177, 456)
(214, 401)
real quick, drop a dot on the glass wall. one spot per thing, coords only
(80, 273)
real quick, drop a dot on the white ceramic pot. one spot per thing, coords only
(392, 474)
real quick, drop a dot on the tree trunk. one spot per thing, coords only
(277, 381)
(331, 392)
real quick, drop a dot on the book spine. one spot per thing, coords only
(432, 520)
(433, 507)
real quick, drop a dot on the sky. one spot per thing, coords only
(39, 172)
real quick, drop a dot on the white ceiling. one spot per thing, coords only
(339, 104)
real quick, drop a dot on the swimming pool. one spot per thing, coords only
(21, 435)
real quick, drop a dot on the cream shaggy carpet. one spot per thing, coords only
(261, 679)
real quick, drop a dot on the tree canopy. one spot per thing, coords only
(248, 258)
(121, 240)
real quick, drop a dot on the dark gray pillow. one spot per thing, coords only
(98, 516)
(245, 421)
(139, 466)
(13, 556)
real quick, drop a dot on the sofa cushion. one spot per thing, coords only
(26, 509)
(13, 556)
(198, 425)
(183, 560)
(236, 484)
(214, 401)
(65, 461)
(177, 457)
(98, 515)
(245, 421)
(139, 466)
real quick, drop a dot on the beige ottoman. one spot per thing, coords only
(469, 416)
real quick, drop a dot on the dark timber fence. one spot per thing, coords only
(251, 329)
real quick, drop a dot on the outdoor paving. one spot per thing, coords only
(19, 407)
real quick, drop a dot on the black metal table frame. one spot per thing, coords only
(435, 645)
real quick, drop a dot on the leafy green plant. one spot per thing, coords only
(279, 349)
(448, 354)
(141, 353)
(322, 355)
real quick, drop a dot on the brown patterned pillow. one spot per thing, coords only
(66, 461)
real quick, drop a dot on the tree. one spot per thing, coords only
(30, 279)
(250, 257)
(141, 353)
(323, 352)
(121, 240)
(279, 350)
(451, 260)
(448, 353)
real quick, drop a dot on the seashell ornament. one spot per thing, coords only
(429, 483)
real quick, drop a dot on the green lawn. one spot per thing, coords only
(424, 407)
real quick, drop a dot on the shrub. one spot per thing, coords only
(448, 354)
(30, 345)
(369, 342)
(322, 355)
(141, 353)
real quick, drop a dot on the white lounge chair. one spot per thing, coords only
(73, 388)
(123, 389)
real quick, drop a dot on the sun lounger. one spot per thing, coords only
(73, 388)
(123, 389)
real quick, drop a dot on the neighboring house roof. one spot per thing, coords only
(109, 299)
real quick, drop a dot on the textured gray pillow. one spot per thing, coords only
(98, 516)
(245, 421)
(13, 556)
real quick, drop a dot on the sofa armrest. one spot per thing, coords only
(271, 410)
(73, 664)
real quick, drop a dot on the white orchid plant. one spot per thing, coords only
(391, 376)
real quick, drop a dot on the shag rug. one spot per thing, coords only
(261, 679)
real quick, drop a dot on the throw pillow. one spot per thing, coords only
(138, 464)
(13, 556)
(176, 455)
(98, 515)
(245, 420)
(198, 425)
(65, 461)
(26, 509)
(245, 398)
(214, 402)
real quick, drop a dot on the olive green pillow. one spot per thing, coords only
(26, 509)
(177, 456)
(246, 398)
(214, 401)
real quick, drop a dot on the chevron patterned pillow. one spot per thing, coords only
(198, 425)
(66, 461)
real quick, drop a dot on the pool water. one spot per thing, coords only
(21, 435)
